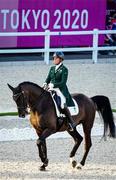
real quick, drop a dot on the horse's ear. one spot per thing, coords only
(10, 87)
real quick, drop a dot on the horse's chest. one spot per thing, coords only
(35, 120)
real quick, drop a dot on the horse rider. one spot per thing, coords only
(56, 79)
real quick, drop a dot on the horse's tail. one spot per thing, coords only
(104, 108)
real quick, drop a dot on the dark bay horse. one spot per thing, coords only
(44, 119)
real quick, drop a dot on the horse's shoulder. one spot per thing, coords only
(34, 118)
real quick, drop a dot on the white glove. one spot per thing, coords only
(50, 86)
(45, 86)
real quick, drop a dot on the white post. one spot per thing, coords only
(95, 46)
(47, 46)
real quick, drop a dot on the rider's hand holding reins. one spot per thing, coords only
(50, 86)
(45, 86)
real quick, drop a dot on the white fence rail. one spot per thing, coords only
(46, 50)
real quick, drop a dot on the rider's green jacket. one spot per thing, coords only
(59, 78)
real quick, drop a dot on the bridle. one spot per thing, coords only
(25, 105)
(16, 97)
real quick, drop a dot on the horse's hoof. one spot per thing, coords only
(79, 166)
(45, 163)
(74, 163)
(39, 142)
(42, 168)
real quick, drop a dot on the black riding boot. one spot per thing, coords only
(71, 123)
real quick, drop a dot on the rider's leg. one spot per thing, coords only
(65, 109)
(71, 122)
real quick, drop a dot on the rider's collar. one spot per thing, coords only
(57, 66)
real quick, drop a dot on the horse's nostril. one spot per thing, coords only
(21, 115)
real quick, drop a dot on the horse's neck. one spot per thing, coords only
(32, 92)
(31, 88)
(36, 92)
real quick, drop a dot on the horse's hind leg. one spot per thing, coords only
(78, 139)
(88, 144)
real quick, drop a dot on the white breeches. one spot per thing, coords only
(63, 99)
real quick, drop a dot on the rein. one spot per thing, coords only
(38, 99)
(17, 95)
(40, 96)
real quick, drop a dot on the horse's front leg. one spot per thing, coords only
(42, 153)
(41, 144)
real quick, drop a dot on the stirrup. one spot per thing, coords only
(70, 127)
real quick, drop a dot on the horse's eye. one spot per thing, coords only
(14, 98)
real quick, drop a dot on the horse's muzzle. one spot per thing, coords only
(22, 115)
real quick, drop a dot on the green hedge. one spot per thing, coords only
(9, 114)
(114, 110)
(16, 113)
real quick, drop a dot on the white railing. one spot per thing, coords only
(95, 48)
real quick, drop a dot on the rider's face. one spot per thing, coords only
(56, 60)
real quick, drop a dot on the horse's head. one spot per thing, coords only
(20, 100)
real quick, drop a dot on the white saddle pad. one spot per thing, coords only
(74, 110)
